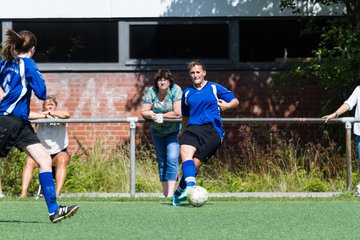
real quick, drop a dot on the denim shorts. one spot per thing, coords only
(167, 152)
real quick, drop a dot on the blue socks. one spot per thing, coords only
(181, 186)
(48, 187)
(189, 172)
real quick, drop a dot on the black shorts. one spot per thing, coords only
(204, 138)
(53, 167)
(55, 154)
(14, 132)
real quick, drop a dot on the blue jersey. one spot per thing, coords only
(201, 106)
(18, 80)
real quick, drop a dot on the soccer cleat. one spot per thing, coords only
(40, 195)
(63, 212)
(175, 200)
(2, 195)
(183, 196)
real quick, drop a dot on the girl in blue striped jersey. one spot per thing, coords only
(202, 132)
(19, 77)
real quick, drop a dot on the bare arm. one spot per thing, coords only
(228, 105)
(176, 113)
(48, 114)
(147, 113)
(343, 108)
(58, 114)
(37, 115)
(1, 94)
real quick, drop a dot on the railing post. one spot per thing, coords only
(348, 127)
(132, 121)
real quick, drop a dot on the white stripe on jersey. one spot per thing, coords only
(24, 89)
(186, 93)
(215, 93)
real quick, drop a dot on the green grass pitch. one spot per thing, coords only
(101, 218)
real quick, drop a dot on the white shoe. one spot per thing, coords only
(40, 195)
(2, 195)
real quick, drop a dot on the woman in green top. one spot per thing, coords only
(163, 101)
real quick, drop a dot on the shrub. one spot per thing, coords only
(286, 166)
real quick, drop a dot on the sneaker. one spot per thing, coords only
(183, 196)
(39, 196)
(175, 200)
(63, 212)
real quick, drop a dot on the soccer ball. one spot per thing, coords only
(197, 196)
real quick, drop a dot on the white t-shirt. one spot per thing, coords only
(353, 100)
(53, 136)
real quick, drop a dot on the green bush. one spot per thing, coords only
(287, 166)
(11, 171)
(315, 185)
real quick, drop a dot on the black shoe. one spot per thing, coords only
(63, 212)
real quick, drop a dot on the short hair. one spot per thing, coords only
(196, 62)
(51, 98)
(166, 74)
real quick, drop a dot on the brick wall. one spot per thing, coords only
(108, 95)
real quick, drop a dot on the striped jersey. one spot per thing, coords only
(18, 80)
(201, 106)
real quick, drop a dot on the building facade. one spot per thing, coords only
(99, 56)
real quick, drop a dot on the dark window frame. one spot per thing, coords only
(125, 63)
(181, 61)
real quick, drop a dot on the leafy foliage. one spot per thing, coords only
(285, 166)
(335, 69)
(306, 8)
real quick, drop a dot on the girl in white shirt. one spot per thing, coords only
(54, 138)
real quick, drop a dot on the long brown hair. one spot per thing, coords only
(17, 43)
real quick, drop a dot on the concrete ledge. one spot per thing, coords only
(220, 195)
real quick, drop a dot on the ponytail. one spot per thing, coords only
(17, 43)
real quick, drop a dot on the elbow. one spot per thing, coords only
(236, 103)
(62, 114)
(177, 114)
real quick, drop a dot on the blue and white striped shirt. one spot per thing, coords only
(201, 106)
(18, 80)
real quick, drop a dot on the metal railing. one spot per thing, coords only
(347, 121)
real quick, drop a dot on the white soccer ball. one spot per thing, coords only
(197, 196)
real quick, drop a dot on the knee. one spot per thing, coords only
(61, 160)
(30, 163)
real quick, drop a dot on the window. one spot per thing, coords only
(265, 40)
(179, 40)
(139, 44)
(73, 41)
